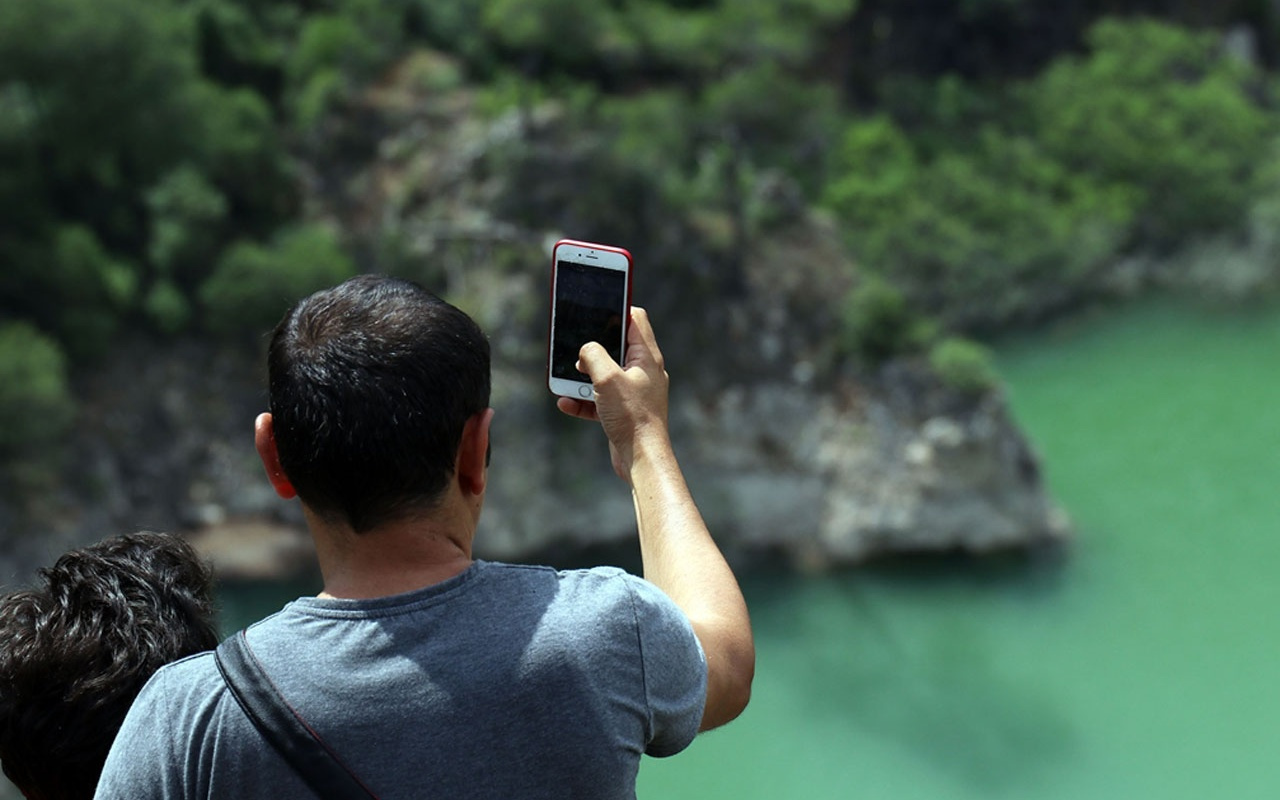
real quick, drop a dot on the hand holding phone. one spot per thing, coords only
(590, 302)
(630, 399)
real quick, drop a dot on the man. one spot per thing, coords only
(75, 651)
(427, 672)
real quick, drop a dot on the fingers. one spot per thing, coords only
(641, 341)
(577, 408)
(595, 362)
(642, 347)
(641, 380)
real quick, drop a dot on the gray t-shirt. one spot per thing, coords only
(502, 682)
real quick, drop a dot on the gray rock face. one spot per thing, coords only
(789, 453)
(818, 477)
(824, 479)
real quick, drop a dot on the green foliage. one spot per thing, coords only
(431, 72)
(711, 39)
(82, 61)
(244, 44)
(332, 53)
(36, 408)
(988, 234)
(990, 208)
(457, 27)
(964, 365)
(651, 131)
(73, 163)
(242, 155)
(123, 171)
(878, 324)
(167, 307)
(84, 290)
(321, 94)
(1165, 112)
(186, 214)
(876, 172)
(621, 42)
(569, 32)
(144, 144)
(789, 132)
(783, 31)
(254, 284)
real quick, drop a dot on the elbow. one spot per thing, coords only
(729, 687)
(743, 672)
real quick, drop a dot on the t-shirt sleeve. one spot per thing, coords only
(136, 764)
(675, 670)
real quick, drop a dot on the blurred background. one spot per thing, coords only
(971, 311)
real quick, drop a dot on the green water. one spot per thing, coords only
(1144, 664)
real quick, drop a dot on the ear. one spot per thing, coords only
(473, 453)
(264, 438)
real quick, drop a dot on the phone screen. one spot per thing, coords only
(589, 304)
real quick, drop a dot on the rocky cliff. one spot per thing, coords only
(792, 451)
(816, 475)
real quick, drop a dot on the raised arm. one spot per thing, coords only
(679, 555)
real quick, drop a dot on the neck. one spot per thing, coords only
(397, 557)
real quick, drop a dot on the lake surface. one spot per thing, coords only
(1141, 664)
(1144, 665)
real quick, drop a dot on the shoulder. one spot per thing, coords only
(613, 591)
(616, 599)
(597, 603)
(607, 580)
(197, 670)
(595, 585)
(187, 692)
(642, 638)
(169, 716)
(610, 586)
(194, 674)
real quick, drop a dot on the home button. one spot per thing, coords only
(584, 392)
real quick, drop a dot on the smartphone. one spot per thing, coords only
(590, 302)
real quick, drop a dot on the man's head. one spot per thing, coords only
(75, 651)
(372, 383)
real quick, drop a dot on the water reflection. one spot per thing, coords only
(931, 684)
(241, 603)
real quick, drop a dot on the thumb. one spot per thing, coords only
(595, 361)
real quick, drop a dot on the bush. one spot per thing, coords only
(988, 235)
(122, 168)
(790, 131)
(167, 308)
(243, 156)
(705, 38)
(331, 41)
(597, 30)
(254, 284)
(186, 215)
(36, 408)
(626, 43)
(333, 55)
(1002, 211)
(1166, 112)
(878, 323)
(85, 290)
(964, 365)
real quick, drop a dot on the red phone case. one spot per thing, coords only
(626, 319)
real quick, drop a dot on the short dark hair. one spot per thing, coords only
(75, 652)
(371, 384)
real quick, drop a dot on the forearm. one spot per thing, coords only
(679, 555)
(681, 558)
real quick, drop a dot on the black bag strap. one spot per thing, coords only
(282, 726)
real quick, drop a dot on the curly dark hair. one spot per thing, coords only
(75, 652)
